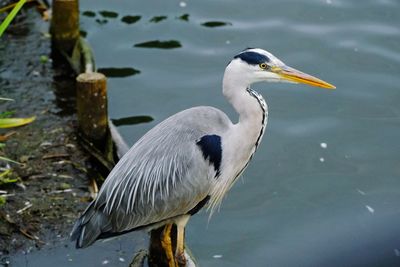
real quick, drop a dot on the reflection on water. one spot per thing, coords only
(118, 72)
(157, 19)
(131, 120)
(213, 24)
(160, 44)
(130, 19)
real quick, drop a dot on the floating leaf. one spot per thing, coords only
(132, 120)
(213, 24)
(130, 19)
(108, 14)
(160, 44)
(89, 14)
(15, 122)
(157, 19)
(118, 72)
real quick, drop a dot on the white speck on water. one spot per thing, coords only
(329, 2)
(105, 262)
(355, 49)
(397, 252)
(121, 259)
(321, 159)
(323, 145)
(217, 256)
(370, 209)
(361, 192)
(182, 4)
(227, 42)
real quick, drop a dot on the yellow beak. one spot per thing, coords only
(297, 76)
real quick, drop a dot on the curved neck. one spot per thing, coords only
(244, 136)
(249, 105)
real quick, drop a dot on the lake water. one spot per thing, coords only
(324, 186)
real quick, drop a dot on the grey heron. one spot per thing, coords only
(189, 160)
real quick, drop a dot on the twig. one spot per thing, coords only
(52, 156)
(24, 208)
(61, 191)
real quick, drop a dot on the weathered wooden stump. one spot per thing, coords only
(91, 101)
(64, 26)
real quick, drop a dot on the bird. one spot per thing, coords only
(188, 161)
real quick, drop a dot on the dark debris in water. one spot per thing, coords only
(118, 72)
(89, 13)
(158, 19)
(83, 33)
(130, 19)
(214, 24)
(101, 21)
(160, 44)
(184, 17)
(132, 120)
(108, 14)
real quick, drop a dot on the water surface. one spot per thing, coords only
(324, 186)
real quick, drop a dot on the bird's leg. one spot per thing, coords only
(180, 247)
(180, 240)
(166, 243)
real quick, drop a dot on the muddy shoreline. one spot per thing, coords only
(52, 186)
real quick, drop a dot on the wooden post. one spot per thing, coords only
(64, 26)
(91, 99)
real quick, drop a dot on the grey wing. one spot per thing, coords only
(162, 176)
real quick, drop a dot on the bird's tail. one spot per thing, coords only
(89, 227)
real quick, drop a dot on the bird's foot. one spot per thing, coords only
(180, 258)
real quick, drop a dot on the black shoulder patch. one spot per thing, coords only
(253, 58)
(211, 147)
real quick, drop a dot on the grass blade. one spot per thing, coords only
(9, 160)
(6, 99)
(11, 16)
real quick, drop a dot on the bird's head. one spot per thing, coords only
(256, 65)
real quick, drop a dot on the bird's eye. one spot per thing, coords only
(263, 65)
